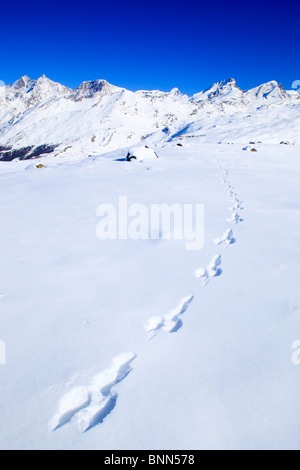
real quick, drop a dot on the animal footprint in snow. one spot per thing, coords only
(235, 219)
(236, 207)
(238, 203)
(154, 324)
(226, 240)
(202, 273)
(170, 322)
(93, 403)
(212, 270)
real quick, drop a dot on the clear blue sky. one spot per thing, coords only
(152, 45)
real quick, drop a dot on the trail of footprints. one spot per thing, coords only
(90, 404)
(214, 267)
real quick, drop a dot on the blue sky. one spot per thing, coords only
(152, 45)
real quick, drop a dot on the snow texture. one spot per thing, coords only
(141, 344)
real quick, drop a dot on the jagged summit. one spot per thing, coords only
(220, 89)
(23, 82)
(90, 88)
(43, 87)
(230, 82)
(269, 89)
(222, 84)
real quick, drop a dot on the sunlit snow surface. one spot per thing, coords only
(142, 344)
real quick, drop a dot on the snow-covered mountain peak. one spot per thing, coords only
(43, 88)
(45, 81)
(34, 91)
(223, 88)
(175, 92)
(229, 81)
(92, 88)
(222, 94)
(23, 84)
(267, 89)
(226, 84)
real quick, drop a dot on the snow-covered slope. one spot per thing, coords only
(141, 344)
(42, 116)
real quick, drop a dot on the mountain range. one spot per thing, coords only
(39, 117)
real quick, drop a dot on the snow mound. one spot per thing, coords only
(141, 153)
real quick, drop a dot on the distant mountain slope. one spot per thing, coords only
(41, 116)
